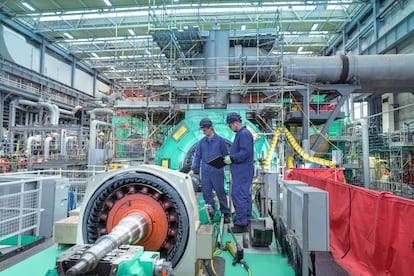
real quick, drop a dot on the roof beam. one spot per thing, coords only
(38, 39)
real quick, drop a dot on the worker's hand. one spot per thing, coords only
(227, 159)
(191, 173)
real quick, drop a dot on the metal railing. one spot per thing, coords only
(21, 200)
(20, 208)
(397, 188)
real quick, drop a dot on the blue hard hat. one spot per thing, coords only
(232, 117)
(205, 123)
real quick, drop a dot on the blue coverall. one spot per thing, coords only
(242, 172)
(211, 177)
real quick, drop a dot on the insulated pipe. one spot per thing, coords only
(54, 112)
(71, 112)
(30, 140)
(65, 144)
(129, 230)
(95, 111)
(47, 147)
(374, 73)
(92, 134)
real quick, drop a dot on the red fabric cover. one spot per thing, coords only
(371, 233)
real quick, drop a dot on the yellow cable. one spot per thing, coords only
(215, 253)
(272, 148)
(304, 154)
(310, 122)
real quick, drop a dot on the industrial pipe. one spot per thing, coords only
(47, 147)
(95, 111)
(54, 112)
(30, 140)
(92, 134)
(373, 73)
(70, 112)
(129, 230)
(65, 144)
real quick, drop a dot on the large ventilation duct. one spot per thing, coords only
(256, 62)
(374, 73)
(217, 64)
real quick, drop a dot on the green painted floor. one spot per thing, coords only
(36, 265)
(261, 261)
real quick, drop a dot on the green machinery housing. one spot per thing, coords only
(178, 149)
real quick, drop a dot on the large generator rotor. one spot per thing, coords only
(147, 195)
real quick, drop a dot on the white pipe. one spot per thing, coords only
(47, 147)
(95, 111)
(92, 134)
(54, 112)
(70, 112)
(67, 141)
(30, 140)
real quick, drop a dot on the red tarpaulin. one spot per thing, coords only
(371, 233)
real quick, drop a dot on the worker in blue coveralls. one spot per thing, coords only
(242, 171)
(208, 148)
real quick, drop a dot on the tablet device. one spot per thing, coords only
(217, 162)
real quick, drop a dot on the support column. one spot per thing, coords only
(344, 91)
(72, 76)
(305, 93)
(42, 56)
(365, 152)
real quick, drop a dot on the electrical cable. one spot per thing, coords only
(208, 269)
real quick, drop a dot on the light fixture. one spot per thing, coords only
(300, 49)
(94, 55)
(108, 3)
(68, 35)
(27, 5)
(131, 31)
(314, 27)
(243, 27)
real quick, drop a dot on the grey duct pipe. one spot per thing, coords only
(255, 62)
(374, 73)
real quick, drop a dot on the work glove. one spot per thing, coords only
(191, 173)
(227, 159)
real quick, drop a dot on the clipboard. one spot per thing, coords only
(217, 162)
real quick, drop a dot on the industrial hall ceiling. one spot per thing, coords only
(118, 38)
